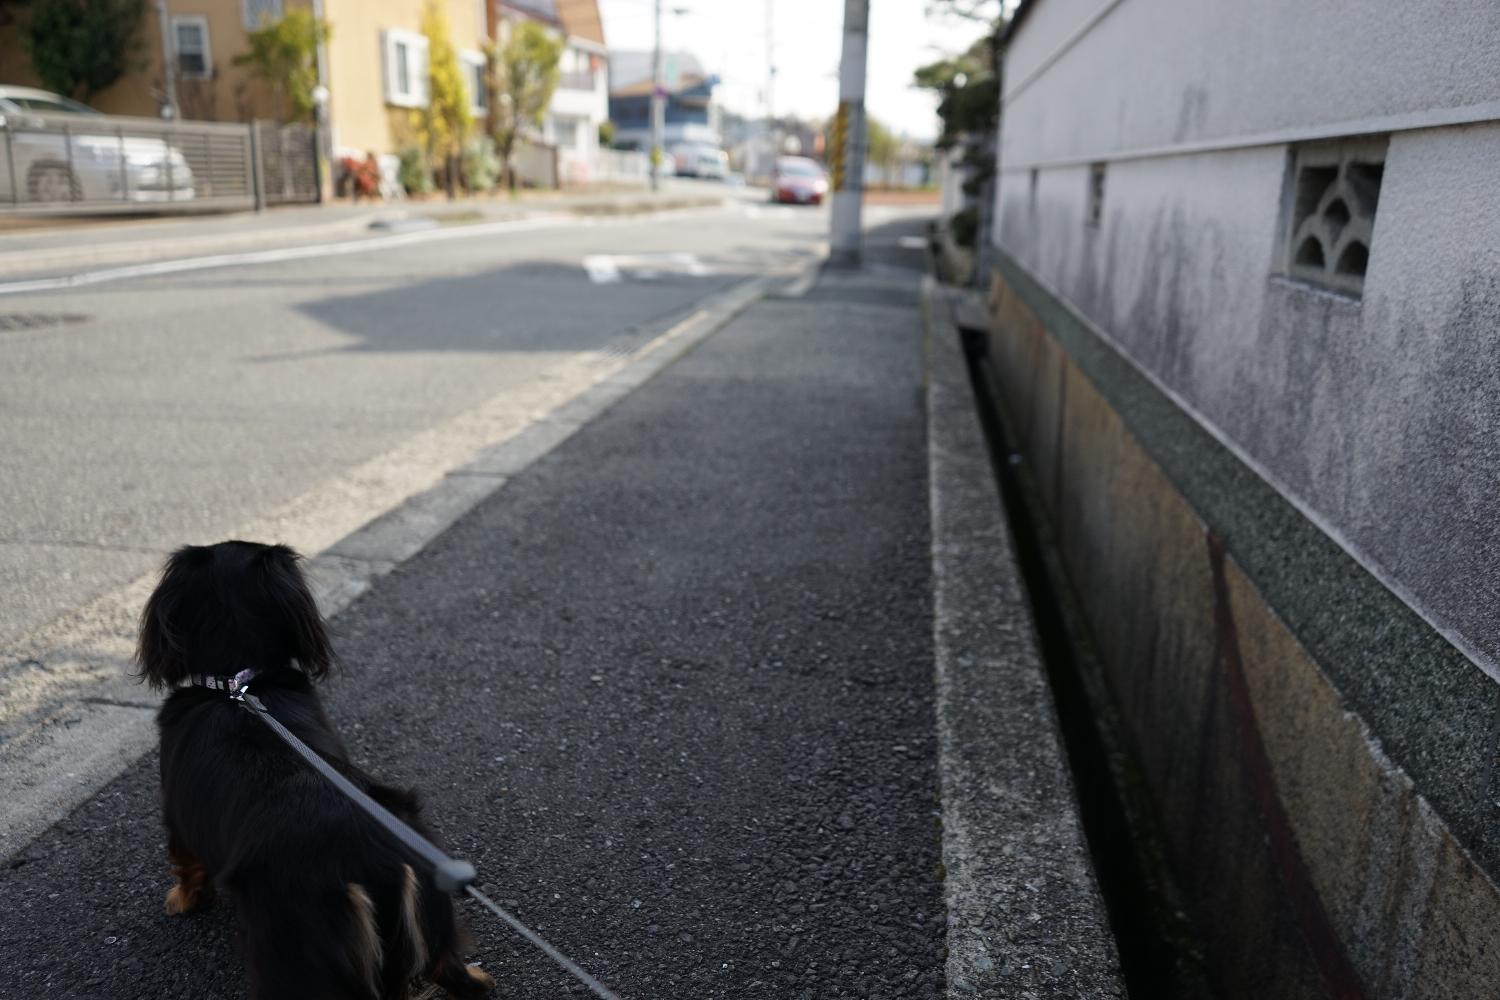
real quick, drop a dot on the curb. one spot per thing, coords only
(1025, 915)
(30, 262)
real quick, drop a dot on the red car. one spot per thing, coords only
(798, 181)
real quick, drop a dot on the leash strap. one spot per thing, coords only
(448, 874)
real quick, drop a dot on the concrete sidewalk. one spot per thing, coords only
(671, 688)
(91, 242)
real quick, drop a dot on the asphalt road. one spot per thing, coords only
(135, 415)
(670, 688)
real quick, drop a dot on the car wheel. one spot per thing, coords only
(53, 182)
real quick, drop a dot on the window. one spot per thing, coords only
(256, 14)
(1334, 191)
(1094, 212)
(565, 132)
(190, 39)
(575, 70)
(473, 69)
(405, 68)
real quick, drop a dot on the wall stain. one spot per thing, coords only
(1339, 976)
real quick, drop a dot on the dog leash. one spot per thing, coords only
(448, 874)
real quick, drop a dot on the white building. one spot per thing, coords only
(1246, 302)
(581, 102)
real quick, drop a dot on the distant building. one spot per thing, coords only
(581, 102)
(1245, 307)
(692, 115)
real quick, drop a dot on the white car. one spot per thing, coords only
(86, 165)
(700, 160)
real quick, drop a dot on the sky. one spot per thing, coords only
(729, 38)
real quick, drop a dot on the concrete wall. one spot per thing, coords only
(1151, 74)
(1370, 421)
(1314, 864)
(1376, 416)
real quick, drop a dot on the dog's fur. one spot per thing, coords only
(329, 905)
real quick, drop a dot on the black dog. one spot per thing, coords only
(330, 906)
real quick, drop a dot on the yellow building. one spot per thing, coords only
(376, 62)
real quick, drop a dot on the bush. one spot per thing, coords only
(965, 226)
(481, 164)
(414, 174)
(80, 47)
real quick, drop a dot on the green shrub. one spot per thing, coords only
(481, 164)
(965, 226)
(414, 173)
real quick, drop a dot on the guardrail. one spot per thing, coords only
(108, 163)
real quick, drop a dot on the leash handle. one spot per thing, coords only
(448, 874)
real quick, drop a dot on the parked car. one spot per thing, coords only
(799, 181)
(692, 159)
(85, 164)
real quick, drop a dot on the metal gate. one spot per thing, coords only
(289, 162)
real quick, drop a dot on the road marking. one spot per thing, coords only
(608, 269)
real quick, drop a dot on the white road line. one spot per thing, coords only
(278, 255)
(605, 269)
(365, 245)
(602, 269)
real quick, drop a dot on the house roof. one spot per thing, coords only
(580, 19)
(545, 10)
(643, 87)
(627, 69)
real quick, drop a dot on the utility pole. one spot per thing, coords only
(771, 149)
(848, 156)
(168, 61)
(658, 106)
(323, 138)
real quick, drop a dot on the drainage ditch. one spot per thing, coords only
(1160, 956)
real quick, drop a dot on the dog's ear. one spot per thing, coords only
(160, 652)
(306, 636)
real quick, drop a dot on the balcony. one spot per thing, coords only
(577, 80)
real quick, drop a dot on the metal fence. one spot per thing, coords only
(534, 164)
(606, 166)
(107, 163)
(289, 162)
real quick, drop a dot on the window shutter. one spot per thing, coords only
(387, 67)
(421, 81)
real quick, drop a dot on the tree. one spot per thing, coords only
(968, 92)
(444, 124)
(522, 75)
(284, 55)
(80, 47)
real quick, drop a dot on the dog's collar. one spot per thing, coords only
(234, 685)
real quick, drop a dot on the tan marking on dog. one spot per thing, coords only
(191, 889)
(480, 976)
(459, 979)
(411, 919)
(365, 947)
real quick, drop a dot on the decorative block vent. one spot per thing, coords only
(1335, 194)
